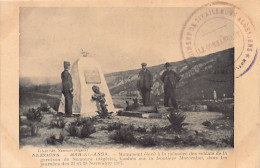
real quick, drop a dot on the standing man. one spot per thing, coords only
(170, 78)
(67, 88)
(145, 83)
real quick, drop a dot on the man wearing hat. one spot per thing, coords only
(170, 78)
(67, 88)
(144, 84)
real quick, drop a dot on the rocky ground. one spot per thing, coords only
(201, 129)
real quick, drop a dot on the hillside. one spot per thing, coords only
(200, 77)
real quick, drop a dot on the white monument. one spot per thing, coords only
(86, 72)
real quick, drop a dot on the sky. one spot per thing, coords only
(118, 38)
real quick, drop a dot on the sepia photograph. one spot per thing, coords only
(117, 77)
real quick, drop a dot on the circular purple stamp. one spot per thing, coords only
(224, 31)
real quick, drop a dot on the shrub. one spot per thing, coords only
(176, 120)
(57, 123)
(229, 140)
(72, 130)
(147, 140)
(44, 107)
(52, 140)
(61, 138)
(82, 127)
(133, 106)
(154, 129)
(34, 115)
(87, 129)
(212, 125)
(119, 113)
(156, 108)
(141, 129)
(191, 140)
(124, 135)
(207, 123)
(131, 127)
(93, 119)
(114, 126)
(82, 120)
(104, 113)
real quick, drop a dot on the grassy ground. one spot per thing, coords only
(138, 132)
(194, 134)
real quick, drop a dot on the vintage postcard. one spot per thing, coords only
(130, 83)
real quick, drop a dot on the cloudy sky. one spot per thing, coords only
(119, 38)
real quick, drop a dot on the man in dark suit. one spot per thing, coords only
(67, 88)
(145, 83)
(170, 78)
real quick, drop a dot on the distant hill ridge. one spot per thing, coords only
(200, 77)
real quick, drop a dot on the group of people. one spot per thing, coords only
(169, 77)
(145, 83)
